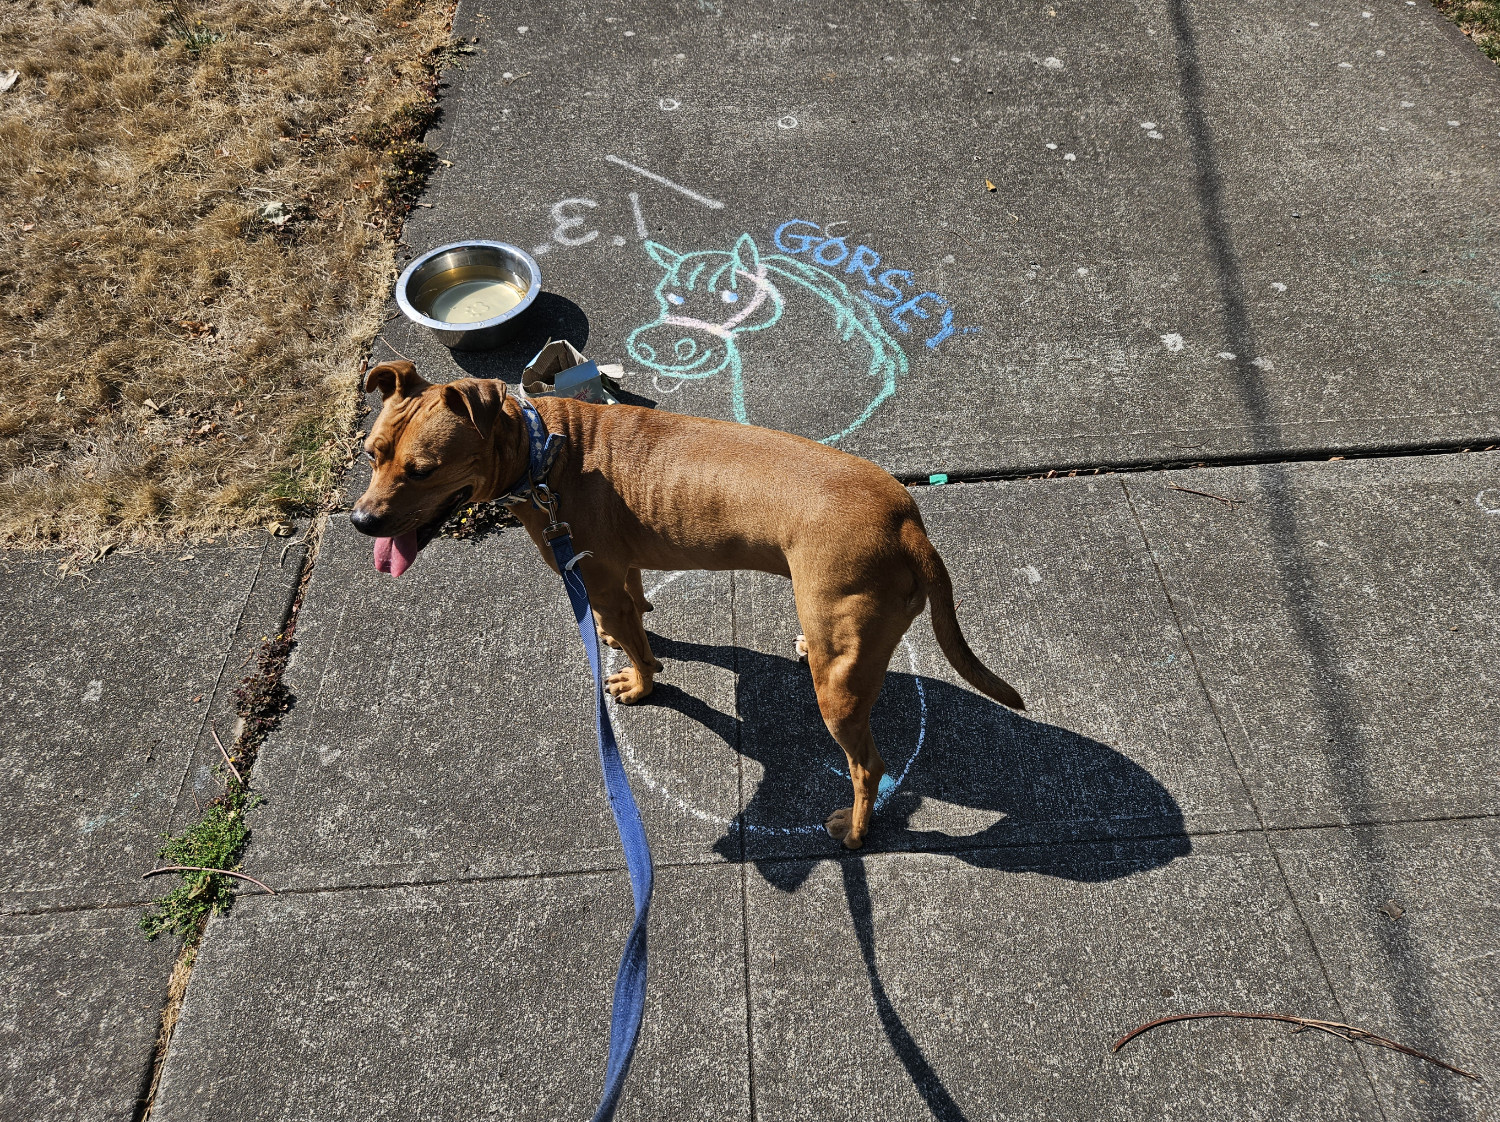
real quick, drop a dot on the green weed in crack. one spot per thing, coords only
(218, 838)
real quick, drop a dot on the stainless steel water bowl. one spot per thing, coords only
(440, 269)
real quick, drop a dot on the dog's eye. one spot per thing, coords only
(417, 473)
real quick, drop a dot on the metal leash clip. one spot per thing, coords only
(545, 501)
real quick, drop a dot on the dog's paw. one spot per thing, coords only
(628, 686)
(801, 648)
(838, 826)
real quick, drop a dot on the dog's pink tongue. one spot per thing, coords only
(395, 555)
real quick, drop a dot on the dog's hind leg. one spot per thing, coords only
(848, 655)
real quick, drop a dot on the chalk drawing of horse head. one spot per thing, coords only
(706, 299)
(709, 298)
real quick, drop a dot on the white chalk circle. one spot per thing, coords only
(670, 104)
(788, 122)
(889, 785)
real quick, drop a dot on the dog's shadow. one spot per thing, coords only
(966, 776)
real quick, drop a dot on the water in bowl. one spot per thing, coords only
(475, 300)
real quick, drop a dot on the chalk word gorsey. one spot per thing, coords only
(887, 289)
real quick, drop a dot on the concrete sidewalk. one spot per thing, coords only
(1223, 778)
(1258, 769)
(117, 673)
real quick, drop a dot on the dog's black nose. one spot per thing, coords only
(364, 521)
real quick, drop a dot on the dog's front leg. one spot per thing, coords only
(619, 617)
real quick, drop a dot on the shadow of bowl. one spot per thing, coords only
(550, 317)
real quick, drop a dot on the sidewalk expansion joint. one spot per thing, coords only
(872, 853)
(1090, 469)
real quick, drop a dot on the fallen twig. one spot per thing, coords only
(388, 343)
(285, 548)
(1335, 1028)
(1207, 495)
(227, 873)
(225, 754)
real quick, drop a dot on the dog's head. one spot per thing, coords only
(433, 449)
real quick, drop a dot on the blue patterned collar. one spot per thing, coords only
(542, 448)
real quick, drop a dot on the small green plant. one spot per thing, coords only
(195, 35)
(213, 842)
(216, 840)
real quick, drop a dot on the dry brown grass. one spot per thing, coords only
(175, 356)
(1478, 19)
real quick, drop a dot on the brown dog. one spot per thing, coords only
(643, 489)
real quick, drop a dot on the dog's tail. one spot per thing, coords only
(950, 638)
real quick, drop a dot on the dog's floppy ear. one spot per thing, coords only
(399, 378)
(478, 399)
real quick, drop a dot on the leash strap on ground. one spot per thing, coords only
(630, 985)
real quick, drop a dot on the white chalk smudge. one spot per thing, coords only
(1173, 342)
(95, 691)
(617, 240)
(1262, 363)
(1052, 63)
(1228, 356)
(712, 204)
(788, 122)
(1278, 286)
(540, 250)
(1031, 574)
(640, 221)
(670, 104)
(1154, 135)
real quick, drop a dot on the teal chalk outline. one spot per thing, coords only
(718, 268)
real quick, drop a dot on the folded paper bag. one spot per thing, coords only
(560, 370)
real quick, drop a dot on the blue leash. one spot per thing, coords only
(630, 984)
